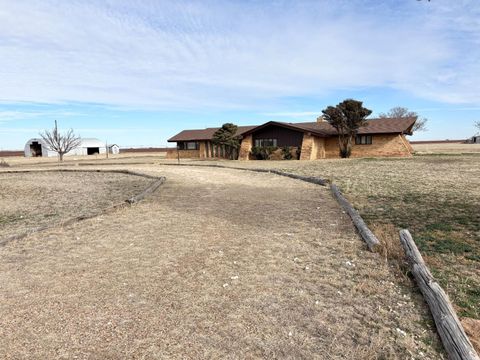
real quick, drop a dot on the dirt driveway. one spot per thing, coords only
(216, 264)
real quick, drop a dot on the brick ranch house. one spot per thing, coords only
(316, 140)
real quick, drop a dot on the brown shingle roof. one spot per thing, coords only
(389, 125)
(323, 129)
(204, 134)
(374, 126)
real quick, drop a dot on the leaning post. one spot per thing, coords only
(455, 341)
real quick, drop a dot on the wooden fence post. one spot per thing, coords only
(455, 341)
(362, 228)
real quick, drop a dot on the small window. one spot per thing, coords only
(192, 145)
(363, 140)
(188, 145)
(265, 142)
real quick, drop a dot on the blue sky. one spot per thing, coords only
(137, 72)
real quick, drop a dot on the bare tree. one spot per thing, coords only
(477, 125)
(401, 112)
(60, 143)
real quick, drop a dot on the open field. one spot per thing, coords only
(32, 200)
(446, 148)
(217, 263)
(127, 157)
(9, 153)
(437, 197)
(157, 151)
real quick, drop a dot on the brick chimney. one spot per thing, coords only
(320, 119)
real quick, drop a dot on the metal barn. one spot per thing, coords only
(36, 147)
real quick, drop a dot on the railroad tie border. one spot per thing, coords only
(134, 199)
(310, 179)
(454, 340)
(367, 235)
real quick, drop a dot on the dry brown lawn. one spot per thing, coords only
(33, 200)
(446, 148)
(437, 197)
(127, 157)
(216, 264)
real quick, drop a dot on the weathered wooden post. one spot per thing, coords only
(455, 341)
(362, 228)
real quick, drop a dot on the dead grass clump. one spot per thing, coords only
(472, 328)
(390, 247)
(377, 349)
(3, 163)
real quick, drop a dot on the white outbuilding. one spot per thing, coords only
(88, 146)
(114, 149)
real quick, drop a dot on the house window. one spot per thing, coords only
(265, 142)
(192, 145)
(363, 140)
(188, 145)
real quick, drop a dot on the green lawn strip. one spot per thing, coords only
(441, 228)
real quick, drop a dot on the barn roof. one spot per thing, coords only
(322, 129)
(84, 142)
(91, 142)
(39, 140)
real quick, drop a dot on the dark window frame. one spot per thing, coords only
(363, 140)
(266, 142)
(183, 145)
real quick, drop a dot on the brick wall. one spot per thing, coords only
(318, 148)
(202, 150)
(307, 147)
(332, 150)
(382, 145)
(313, 147)
(184, 154)
(407, 144)
(245, 148)
(318, 151)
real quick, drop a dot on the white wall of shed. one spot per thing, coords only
(114, 149)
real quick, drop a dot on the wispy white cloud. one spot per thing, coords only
(294, 114)
(180, 54)
(12, 115)
(470, 108)
(33, 130)
(16, 115)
